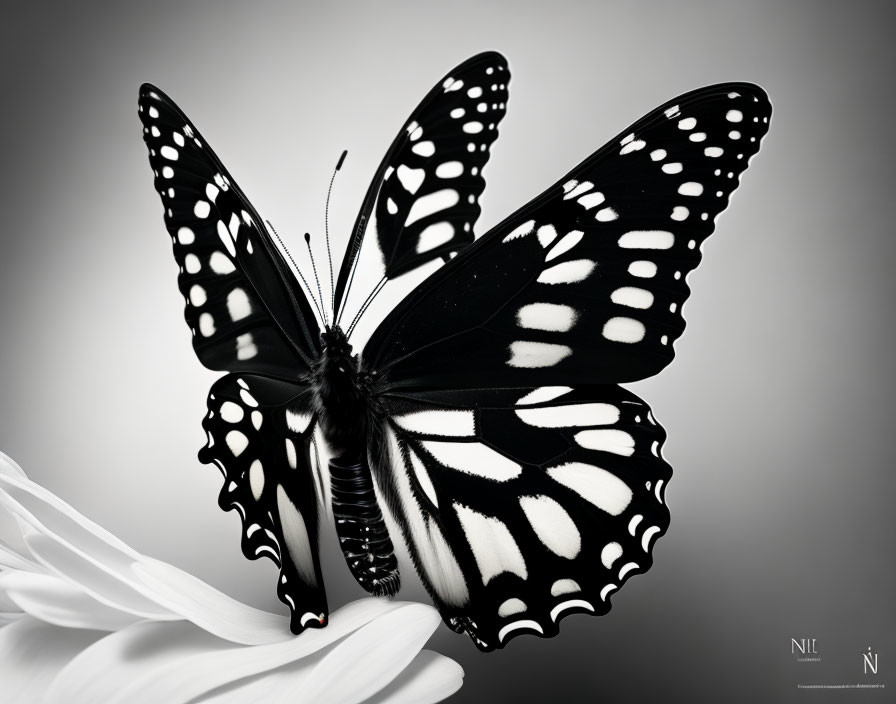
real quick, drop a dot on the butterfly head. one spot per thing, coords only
(335, 342)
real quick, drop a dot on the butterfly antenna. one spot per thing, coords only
(364, 306)
(296, 267)
(351, 279)
(327, 230)
(316, 277)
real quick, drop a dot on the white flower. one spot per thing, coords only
(85, 618)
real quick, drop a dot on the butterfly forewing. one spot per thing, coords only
(586, 283)
(521, 506)
(260, 435)
(243, 305)
(424, 200)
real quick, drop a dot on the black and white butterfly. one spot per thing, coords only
(484, 410)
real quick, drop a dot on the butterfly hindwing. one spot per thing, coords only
(586, 283)
(521, 506)
(243, 305)
(260, 435)
(424, 199)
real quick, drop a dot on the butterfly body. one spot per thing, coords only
(344, 396)
(484, 411)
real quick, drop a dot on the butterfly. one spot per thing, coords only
(484, 414)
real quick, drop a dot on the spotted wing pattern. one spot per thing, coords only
(586, 283)
(243, 305)
(521, 506)
(260, 435)
(424, 199)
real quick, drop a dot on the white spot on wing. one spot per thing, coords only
(450, 423)
(473, 458)
(450, 169)
(647, 239)
(591, 200)
(529, 355)
(565, 586)
(610, 553)
(295, 533)
(297, 422)
(435, 235)
(231, 412)
(493, 546)
(236, 441)
(567, 605)
(567, 272)
(578, 189)
(438, 563)
(511, 607)
(546, 316)
(632, 297)
(520, 231)
(546, 234)
(622, 329)
(423, 478)
(206, 325)
(256, 479)
(553, 525)
(518, 625)
(642, 269)
(424, 149)
(246, 347)
(594, 484)
(410, 178)
(570, 240)
(238, 304)
(432, 203)
(618, 442)
(648, 536)
(543, 394)
(569, 416)
(220, 264)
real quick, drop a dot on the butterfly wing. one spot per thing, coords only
(261, 436)
(527, 483)
(243, 305)
(248, 316)
(584, 284)
(522, 506)
(424, 199)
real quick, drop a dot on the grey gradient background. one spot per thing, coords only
(778, 405)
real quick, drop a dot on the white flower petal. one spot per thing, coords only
(226, 651)
(180, 662)
(365, 663)
(9, 466)
(102, 584)
(431, 677)
(54, 600)
(11, 559)
(208, 608)
(33, 653)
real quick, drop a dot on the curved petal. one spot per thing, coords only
(153, 662)
(362, 665)
(106, 586)
(32, 653)
(431, 677)
(209, 608)
(55, 601)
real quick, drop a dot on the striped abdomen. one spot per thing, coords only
(362, 533)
